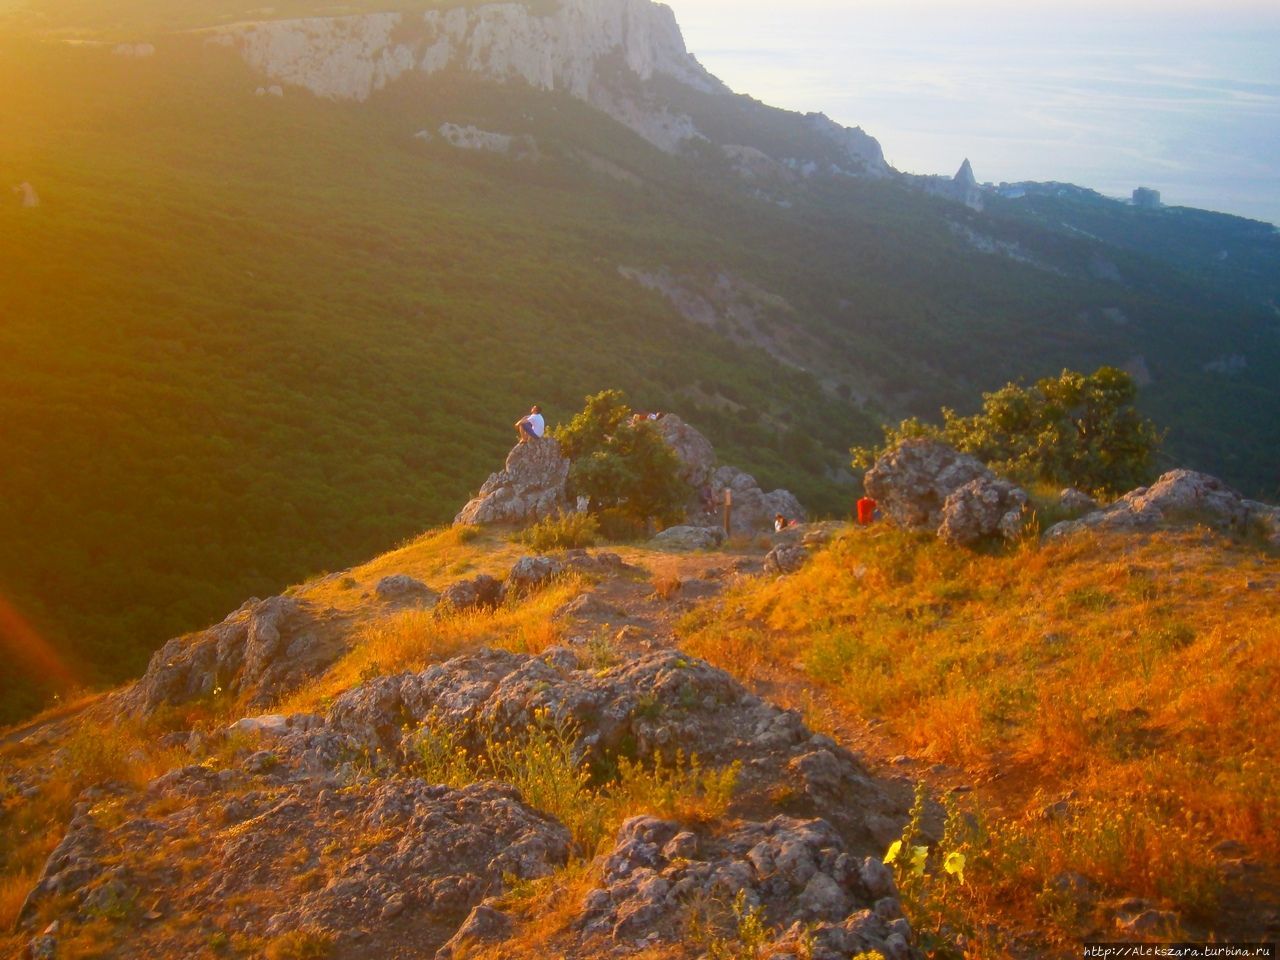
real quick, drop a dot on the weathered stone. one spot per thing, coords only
(402, 588)
(1178, 497)
(484, 925)
(479, 593)
(912, 481)
(753, 509)
(984, 507)
(697, 456)
(1077, 501)
(785, 558)
(265, 649)
(528, 574)
(796, 870)
(530, 487)
(689, 538)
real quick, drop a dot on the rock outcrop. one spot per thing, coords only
(912, 481)
(785, 558)
(797, 872)
(753, 509)
(565, 49)
(696, 455)
(400, 588)
(531, 486)
(688, 537)
(613, 54)
(378, 865)
(473, 138)
(927, 485)
(1077, 501)
(261, 651)
(982, 508)
(1179, 496)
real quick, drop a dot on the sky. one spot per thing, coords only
(1182, 97)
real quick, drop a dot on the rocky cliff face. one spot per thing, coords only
(603, 52)
(348, 58)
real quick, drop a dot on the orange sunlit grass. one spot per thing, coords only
(1135, 676)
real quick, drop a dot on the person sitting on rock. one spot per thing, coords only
(781, 523)
(531, 426)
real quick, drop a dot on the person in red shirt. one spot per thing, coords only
(866, 510)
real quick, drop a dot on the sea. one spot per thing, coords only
(1180, 98)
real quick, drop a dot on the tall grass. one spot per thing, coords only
(544, 762)
(1136, 674)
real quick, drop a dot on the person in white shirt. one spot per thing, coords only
(531, 426)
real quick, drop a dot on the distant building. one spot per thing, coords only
(1146, 198)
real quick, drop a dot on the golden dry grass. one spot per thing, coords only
(1139, 673)
(412, 639)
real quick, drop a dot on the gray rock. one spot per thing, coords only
(1178, 497)
(530, 487)
(785, 558)
(689, 538)
(984, 507)
(798, 871)
(265, 649)
(587, 606)
(478, 593)
(753, 509)
(271, 725)
(484, 925)
(1267, 519)
(912, 481)
(1077, 501)
(528, 574)
(697, 456)
(402, 588)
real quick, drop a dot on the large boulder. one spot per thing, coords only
(685, 537)
(753, 509)
(912, 481)
(1179, 496)
(531, 486)
(263, 650)
(697, 456)
(798, 872)
(983, 508)
(481, 592)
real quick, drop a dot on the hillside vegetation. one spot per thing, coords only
(248, 338)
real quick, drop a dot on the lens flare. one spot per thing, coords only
(23, 647)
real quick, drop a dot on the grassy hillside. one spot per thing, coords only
(247, 338)
(1098, 713)
(1102, 708)
(234, 357)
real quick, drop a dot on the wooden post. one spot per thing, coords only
(728, 512)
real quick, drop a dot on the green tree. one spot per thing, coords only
(621, 464)
(1071, 429)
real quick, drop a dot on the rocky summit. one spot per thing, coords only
(464, 750)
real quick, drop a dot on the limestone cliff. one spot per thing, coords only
(348, 58)
(604, 52)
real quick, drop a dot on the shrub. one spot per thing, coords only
(564, 531)
(621, 463)
(305, 944)
(1072, 429)
(543, 761)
